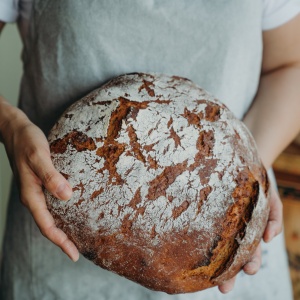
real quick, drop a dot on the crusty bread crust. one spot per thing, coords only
(169, 190)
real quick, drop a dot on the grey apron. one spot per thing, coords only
(74, 47)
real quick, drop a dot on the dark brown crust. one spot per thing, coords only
(201, 270)
(79, 140)
(158, 185)
(185, 260)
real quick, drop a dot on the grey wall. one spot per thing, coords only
(10, 74)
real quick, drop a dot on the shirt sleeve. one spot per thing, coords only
(9, 11)
(278, 12)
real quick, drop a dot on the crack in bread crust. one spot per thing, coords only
(168, 188)
(79, 140)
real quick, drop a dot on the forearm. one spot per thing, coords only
(274, 117)
(10, 117)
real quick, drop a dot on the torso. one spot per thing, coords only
(90, 45)
(73, 47)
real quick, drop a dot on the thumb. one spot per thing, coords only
(51, 179)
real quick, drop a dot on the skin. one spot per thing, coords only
(273, 120)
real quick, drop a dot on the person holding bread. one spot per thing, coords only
(247, 53)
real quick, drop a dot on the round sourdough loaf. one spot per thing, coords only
(169, 190)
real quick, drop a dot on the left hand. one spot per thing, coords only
(273, 228)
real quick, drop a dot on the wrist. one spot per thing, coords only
(10, 118)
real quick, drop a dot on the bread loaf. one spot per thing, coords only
(169, 190)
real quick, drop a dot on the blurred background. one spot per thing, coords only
(287, 171)
(10, 75)
(287, 166)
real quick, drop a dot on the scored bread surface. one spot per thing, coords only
(169, 190)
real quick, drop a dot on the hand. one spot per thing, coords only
(29, 156)
(273, 228)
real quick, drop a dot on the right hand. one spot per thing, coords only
(273, 228)
(29, 155)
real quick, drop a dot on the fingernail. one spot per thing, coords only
(251, 268)
(64, 192)
(75, 257)
(271, 236)
(227, 290)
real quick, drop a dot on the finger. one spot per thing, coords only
(46, 224)
(274, 226)
(52, 180)
(254, 264)
(33, 196)
(227, 286)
